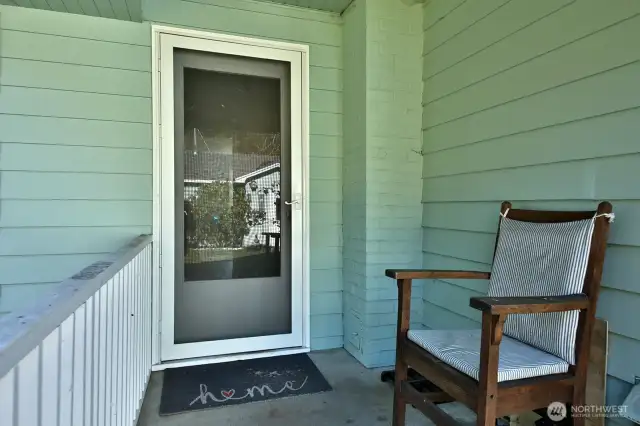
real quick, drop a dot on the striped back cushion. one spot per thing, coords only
(542, 259)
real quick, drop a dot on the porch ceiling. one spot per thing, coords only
(328, 5)
(131, 10)
(127, 10)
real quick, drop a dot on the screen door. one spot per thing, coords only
(235, 211)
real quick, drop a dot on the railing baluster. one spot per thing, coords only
(104, 356)
(7, 396)
(117, 347)
(97, 358)
(141, 323)
(124, 348)
(130, 344)
(50, 377)
(140, 334)
(66, 372)
(110, 349)
(133, 379)
(29, 388)
(147, 304)
(79, 347)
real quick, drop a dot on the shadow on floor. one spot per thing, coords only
(358, 399)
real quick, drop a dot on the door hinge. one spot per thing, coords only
(160, 260)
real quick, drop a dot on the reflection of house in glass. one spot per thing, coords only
(255, 176)
(262, 188)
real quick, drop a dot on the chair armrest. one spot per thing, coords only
(418, 274)
(530, 305)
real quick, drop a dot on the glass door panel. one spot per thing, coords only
(232, 176)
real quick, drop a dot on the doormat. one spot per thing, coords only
(238, 382)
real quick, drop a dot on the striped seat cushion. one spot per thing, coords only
(461, 350)
(542, 259)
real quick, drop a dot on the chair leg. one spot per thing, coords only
(487, 406)
(399, 404)
(486, 415)
(579, 399)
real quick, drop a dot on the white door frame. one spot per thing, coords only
(163, 251)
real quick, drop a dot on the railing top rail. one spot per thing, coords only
(24, 330)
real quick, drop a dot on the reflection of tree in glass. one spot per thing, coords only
(265, 144)
(216, 220)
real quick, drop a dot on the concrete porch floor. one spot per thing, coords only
(358, 398)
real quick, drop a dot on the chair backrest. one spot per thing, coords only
(548, 253)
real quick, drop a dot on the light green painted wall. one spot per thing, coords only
(538, 103)
(75, 145)
(382, 186)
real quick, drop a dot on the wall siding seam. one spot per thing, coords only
(320, 89)
(73, 145)
(470, 231)
(549, 89)
(76, 172)
(451, 283)
(29, 284)
(483, 17)
(73, 64)
(148, 45)
(77, 118)
(488, 46)
(75, 91)
(132, 226)
(77, 199)
(533, 57)
(442, 18)
(563, 123)
(533, 165)
(88, 253)
(491, 233)
(456, 258)
(431, 302)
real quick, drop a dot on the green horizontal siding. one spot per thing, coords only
(75, 138)
(537, 103)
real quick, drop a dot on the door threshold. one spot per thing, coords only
(227, 358)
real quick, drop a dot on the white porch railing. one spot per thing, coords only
(83, 356)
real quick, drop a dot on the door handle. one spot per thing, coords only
(296, 202)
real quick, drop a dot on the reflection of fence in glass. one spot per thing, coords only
(230, 200)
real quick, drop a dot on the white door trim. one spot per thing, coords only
(301, 150)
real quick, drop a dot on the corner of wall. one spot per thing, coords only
(382, 172)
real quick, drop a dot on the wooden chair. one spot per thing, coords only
(469, 366)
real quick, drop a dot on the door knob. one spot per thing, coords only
(290, 203)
